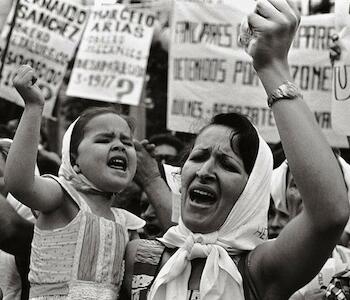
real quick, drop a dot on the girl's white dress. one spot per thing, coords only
(83, 260)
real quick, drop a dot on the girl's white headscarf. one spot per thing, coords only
(244, 229)
(78, 180)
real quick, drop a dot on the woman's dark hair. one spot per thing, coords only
(246, 143)
(79, 128)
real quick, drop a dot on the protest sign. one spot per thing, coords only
(341, 71)
(112, 58)
(45, 36)
(312, 71)
(209, 73)
(5, 7)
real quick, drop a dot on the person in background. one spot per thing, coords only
(13, 268)
(287, 204)
(48, 161)
(167, 148)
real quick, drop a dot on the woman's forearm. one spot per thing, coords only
(312, 162)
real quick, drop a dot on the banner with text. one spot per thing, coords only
(112, 58)
(341, 71)
(45, 36)
(209, 73)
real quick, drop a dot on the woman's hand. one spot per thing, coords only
(24, 82)
(274, 24)
(147, 166)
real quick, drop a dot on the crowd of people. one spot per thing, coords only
(96, 221)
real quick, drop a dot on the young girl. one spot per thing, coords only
(79, 240)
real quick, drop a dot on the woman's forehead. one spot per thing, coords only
(215, 135)
(108, 123)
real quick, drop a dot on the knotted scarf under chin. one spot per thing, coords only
(220, 280)
(244, 229)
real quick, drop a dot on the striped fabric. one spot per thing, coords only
(339, 288)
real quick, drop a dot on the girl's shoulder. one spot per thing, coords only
(70, 191)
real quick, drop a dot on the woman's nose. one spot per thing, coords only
(205, 172)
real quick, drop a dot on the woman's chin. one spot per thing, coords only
(199, 223)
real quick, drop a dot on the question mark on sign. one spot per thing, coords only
(125, 87)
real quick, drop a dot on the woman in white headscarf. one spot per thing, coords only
(218, 250)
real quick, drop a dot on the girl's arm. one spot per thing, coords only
(282, 266)
(33, 191)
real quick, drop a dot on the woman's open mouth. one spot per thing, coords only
(202, 196)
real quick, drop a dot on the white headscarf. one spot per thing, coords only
(78, 180)
(244, 229)
(279, 186)
(346, 172)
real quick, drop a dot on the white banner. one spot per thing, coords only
(341, 71)
(209, 73)
(45, 36)
(112, 58)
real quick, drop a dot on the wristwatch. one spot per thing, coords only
(286, 91)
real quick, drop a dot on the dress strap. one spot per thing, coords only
(73, 193)
(127, 219)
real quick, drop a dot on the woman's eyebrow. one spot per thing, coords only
(235, 159)
(105, 134)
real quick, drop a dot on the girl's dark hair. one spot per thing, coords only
(79, 127)
(246, 138)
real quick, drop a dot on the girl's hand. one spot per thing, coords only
(274, 24)
(24, 82)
